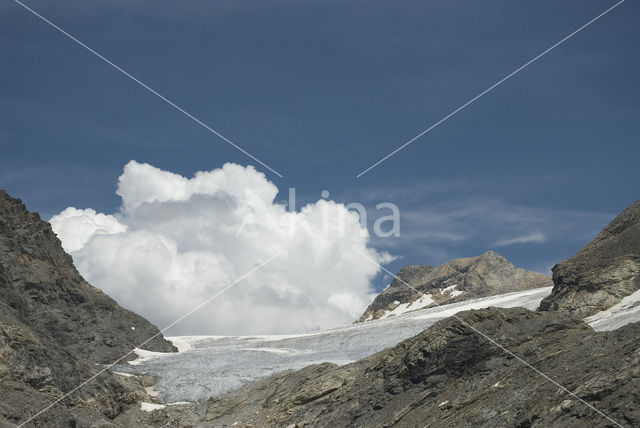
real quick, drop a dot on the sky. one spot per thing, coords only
(319, 91)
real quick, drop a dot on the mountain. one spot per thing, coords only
(56, 330)
(451, 376)
(486, 367)
(459, 279)
(601, 274)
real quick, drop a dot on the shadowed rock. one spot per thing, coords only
(56, 330)
(603, 272)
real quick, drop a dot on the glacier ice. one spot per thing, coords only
(210, 365)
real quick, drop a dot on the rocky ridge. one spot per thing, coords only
(602, 273)
(459, 279)
(56, 330)
(451, 376)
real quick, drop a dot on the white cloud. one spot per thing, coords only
(535, 237)
(79, 226)
(175, 242)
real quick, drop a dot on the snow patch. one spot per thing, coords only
(451, 290)
(448, 289)
(422, 302)
(623, 313)
(186, 343)
(179, 403)
(125, 374)
(144, 355)
(508, 300)
(150, 407)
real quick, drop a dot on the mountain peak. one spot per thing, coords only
(55, 328)
(41, 275)
(602, 273)
(456, 280)
(490, 254)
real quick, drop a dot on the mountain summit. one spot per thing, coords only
(602, 273)
(459, 279)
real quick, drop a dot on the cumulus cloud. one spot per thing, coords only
(176, 241)
(79, 226)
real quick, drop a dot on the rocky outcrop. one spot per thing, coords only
(460, 279)
(450, 376)
(56, 330)
(603, 272)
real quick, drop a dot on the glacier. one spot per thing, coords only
(207, 366)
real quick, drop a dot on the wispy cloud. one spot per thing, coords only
(440, 221)
(536, 237)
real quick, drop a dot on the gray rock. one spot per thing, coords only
(603, 272)
(486, 275)
(450, 376)
(56, 330)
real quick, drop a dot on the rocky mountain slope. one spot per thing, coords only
(56, 330)
(451, 376)
(603, 272)
(459, 279)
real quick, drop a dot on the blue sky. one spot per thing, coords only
(320, 91)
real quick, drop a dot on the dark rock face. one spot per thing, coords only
(603, 272)
(460, 279)
(450, 376)
(56, 330)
